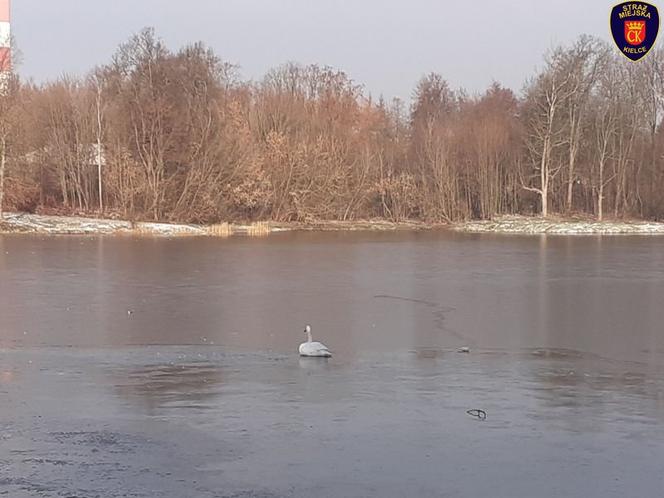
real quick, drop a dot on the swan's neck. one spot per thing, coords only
(309, 339)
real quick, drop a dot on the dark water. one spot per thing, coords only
(167, 368)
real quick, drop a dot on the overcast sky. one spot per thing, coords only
(386, 45)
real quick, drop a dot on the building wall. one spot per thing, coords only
(5, 36)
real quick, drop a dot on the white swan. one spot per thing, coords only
(311, 348)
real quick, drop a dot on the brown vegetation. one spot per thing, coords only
(176, 136)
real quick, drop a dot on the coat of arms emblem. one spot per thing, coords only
(634, 27)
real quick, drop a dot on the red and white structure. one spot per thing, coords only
(5, 37)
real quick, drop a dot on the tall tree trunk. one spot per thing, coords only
(600, 192)
(99, 130)
(570, 180)
(544, 176)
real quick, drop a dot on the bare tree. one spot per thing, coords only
(8, 123)
(604, 127)
(650, 98)
(545, 100)
(96, 80)
(176, 135)
(584, 61)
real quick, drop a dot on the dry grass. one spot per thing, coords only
(259, 229)
(220, 230)
(256, 229)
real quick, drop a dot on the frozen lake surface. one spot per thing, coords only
(168, 368)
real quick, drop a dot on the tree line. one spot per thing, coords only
(178, 136)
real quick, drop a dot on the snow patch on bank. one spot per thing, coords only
(65, 225)
(527, 225)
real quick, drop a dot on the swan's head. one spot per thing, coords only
(307, 329)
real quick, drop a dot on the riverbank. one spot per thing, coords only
(73, 225)
(70, 225)
(559, 226)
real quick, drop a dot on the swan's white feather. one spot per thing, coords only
(314, 349)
